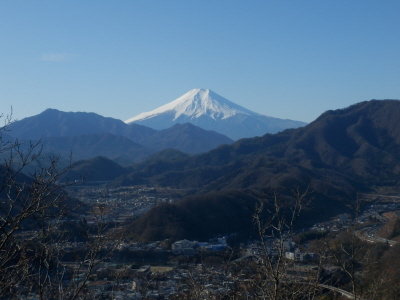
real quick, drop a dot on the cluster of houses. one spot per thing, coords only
(149, 282)
(186, 247)
(273, 248)
(374, 210)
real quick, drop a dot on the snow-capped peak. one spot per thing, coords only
(197, 103)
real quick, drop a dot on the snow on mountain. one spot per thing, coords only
(210, 111)
(197, 103)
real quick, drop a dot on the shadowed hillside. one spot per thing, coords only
(97, 144)
(186, 138)
(362, 141)
(95, 169)
(340, 153)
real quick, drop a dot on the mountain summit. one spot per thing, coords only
(195, 104)
(207, 109)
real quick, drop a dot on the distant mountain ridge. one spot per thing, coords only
(87, 146)
(179, 137)
(87, 135)
(206, 109)
(55, 123)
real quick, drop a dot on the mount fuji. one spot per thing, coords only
(208, 110)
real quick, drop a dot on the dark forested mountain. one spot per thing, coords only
(362, 140)
(166, 154)
(340, 153)
(98, 144)
(186, 138)
(95, 169)
(195, 217)
(88, 135)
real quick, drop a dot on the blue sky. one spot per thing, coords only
(286, 59)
